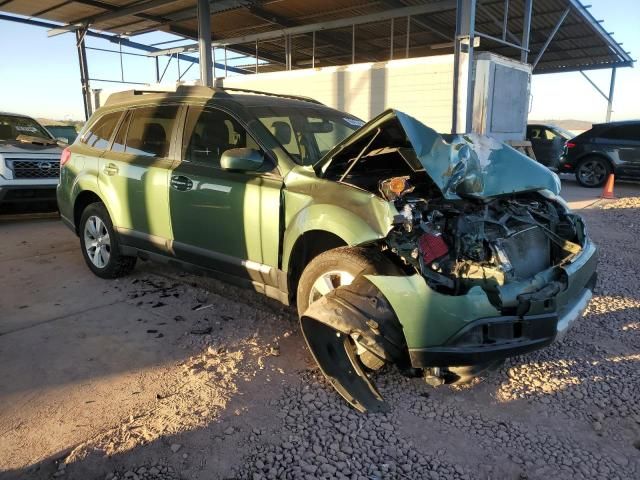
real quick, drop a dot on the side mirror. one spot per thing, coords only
(242, 159)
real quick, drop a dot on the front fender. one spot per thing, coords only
(352, 229)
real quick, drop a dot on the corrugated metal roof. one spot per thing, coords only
(580, 43)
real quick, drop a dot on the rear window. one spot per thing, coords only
(98, 134)
(147, 131)
(622, 132)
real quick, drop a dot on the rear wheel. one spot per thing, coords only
(100, 245)
(333, 269)
(592, 172)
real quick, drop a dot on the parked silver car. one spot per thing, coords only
(29, 161)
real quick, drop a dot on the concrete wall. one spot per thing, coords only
(421, 87)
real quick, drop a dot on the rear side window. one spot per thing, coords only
(622, 132)
(147, 131)
(100, 132)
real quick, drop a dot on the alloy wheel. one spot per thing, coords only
(327, 282)
(592, 172)
(97, 242)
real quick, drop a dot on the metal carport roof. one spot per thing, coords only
(580, 43)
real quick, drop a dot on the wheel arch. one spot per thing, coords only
(306, 247)
(601, 155)
(82, 201)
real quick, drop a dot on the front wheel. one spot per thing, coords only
(330, 270)
(100, 245)
(592, 172)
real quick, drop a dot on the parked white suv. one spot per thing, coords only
(29, 161)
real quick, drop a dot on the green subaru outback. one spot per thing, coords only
(441, 254)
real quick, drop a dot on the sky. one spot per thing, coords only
(39, 76)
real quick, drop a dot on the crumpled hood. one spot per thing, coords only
(475, 165)
(468, 165)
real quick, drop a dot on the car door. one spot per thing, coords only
(134, 177)
(542, 146)
(622, 144)
(224, 220)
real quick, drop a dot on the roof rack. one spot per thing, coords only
(281, 95)
(120, 97)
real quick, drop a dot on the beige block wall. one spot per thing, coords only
(421, 87)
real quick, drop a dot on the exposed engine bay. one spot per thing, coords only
(482, 259)
(461, 244)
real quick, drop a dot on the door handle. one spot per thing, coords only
(110, 169)
(181, 183)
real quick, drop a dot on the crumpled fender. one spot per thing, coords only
(354, 312)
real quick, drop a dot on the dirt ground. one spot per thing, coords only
(163, 375)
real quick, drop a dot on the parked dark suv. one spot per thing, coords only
(606, 148)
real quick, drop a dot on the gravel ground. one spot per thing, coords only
(250, 404)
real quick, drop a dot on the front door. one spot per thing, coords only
(134, 177)
(223, 220)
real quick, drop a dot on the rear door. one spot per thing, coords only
(542, 142)
(134, 176)
(622, 145)
(223, 220)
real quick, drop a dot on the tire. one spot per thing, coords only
(100, 245)
(331, 269)
(592, 171)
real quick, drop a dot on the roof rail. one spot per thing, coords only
(119, 97)
(281, 95)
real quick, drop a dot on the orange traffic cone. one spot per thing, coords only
(607, 191)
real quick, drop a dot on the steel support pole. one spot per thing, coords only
(204, 43)
(353, 43)
(408, 36)
(391, 35)
(84, 72)
(612, 87)
(463, 67)
(313, 50)
(526, 30)
(505, 20)
(157, 69)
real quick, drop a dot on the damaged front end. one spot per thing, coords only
(487, 261)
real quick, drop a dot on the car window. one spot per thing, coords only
(306, 133)
(148, 132)
(119, 140)
(622, 132)
(12, 126)
(210, 132)
(550, 134)
(98, 135)
(535, 133)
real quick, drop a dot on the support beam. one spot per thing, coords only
(84, 72)
(612, 86)
(462, 118)
(551, 36)
(438, 6)
(204, 43)
(526, 30)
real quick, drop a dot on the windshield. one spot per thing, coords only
(12, 126)
(307, 134)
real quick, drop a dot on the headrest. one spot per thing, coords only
(282, 132)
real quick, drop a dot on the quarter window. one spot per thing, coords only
(149, 131)
(210, 132)
(623, 132)
(100, 132)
